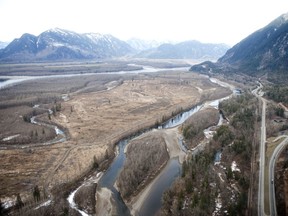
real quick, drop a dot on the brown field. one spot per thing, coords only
(101, 110)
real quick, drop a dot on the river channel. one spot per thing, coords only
(167, 176)
(15, 80)
(172, 170)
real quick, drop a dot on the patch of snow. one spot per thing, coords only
(213, 185)
(214, 104)
(73, 204)
(95, 37)
(235, 188)
(56, 44)
(220, 176)
(32, 120)
(285, 16)
(47, 203)
(208, 133)
(58, 131)
(234, 167)
(36, 106)
(220, 120)
(86, 182)
(8, 203)
(98, 175)
(218, 205)
(200, 90)
(60, 31)
(65, 97)
(10, 137)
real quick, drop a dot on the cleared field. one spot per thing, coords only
(100, 110)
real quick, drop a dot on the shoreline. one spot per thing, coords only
(171, 136)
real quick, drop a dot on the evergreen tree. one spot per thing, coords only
(1, 208)
(36, 193)
(19, 203)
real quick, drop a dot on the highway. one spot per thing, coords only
(261, 186)
(258, 93)
(277, 151)
(261, 191)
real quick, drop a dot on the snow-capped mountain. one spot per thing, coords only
(3, 44)
(140, 45)
(59, 44)
(186, 50)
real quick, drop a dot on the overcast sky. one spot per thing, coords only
(220, 21)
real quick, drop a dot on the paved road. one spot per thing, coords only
(261, 191)
(258, 93)
(272, 201)
(277, 151)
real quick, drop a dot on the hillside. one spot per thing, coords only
(263, 52)
(59, 44)
(3, 44)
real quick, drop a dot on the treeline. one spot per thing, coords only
(144, 158)
(192, 194)
(235, 104)
(202, 183)
(278, 93)
(31, 101)
(193, 127)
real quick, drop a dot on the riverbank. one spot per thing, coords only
(95, 120)
(172, 137)
(171, 140)
(104, 202)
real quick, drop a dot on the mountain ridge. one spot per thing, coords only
(263, 51)
(191, 49)
(59, 44)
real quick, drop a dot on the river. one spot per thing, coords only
(167, 176)
(15, 80)
(172, 170)
(165, 179)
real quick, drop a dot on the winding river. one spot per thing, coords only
(172, 170)
(15, 80)
(167, 176)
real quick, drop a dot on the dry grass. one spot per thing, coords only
(43, 69)
(12, 124)
(96, 120)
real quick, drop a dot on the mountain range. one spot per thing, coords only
(263, 52)
(140, 45)
(186, 50)
(63, 45)
(59, 44)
